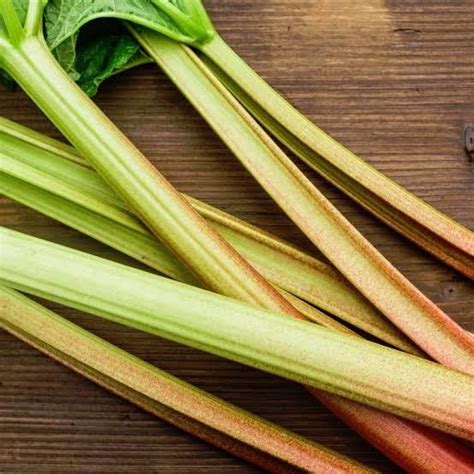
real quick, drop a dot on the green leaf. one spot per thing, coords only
(104, 57)
(66, 55)
(64, 18)
(21, 8)
(105, 54)
(101, 49)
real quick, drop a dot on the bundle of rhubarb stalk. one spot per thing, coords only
(360, 337)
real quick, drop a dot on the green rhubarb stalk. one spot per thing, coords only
(340, 364)
(141, 246)
(25, 56)
(418, 317)
(183, 405)
(279, 262)
(360, 262)
(409, 215)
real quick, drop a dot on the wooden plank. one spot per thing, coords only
(392, 79)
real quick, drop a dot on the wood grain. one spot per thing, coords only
(392, 79)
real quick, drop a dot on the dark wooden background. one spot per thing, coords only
(393, 79)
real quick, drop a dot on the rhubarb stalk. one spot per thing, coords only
(341, 364)
(181, 404)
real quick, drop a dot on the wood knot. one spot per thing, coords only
(469, 141)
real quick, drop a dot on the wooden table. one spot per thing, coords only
(393, 79)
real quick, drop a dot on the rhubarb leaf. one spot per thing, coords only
(100, 50)
(66, 55)
(105, 56)
(64, 18)
(21, 7)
